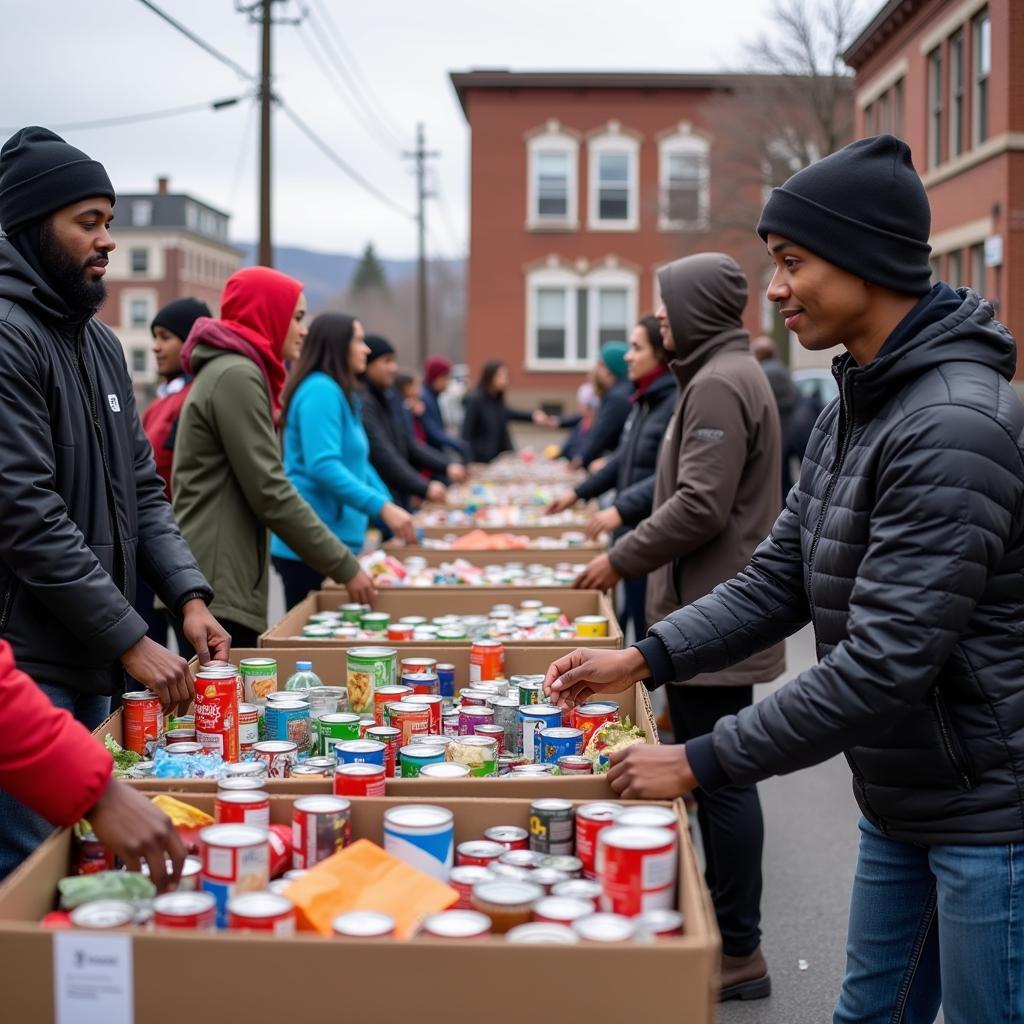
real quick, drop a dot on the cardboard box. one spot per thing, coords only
(498, 556)
(440, 532)
(451, 601)
(255, 978)
(330, 666)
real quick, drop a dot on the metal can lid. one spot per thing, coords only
(359, 769)
(365, 924)
(275, 747)
(308, 771)
(457, 924)
(623, 838)
(551, 804)
(240, 784)
(322, 805)
(660, 922)
(533, 769)
(542, 933)
(651, 816)
(477, 711)
(414, 751)
(448, 770)
(558, 732)
(291, 705)
(488, 643)
(481, 848)
(565, 863)
(578, 889)
(139, 695)
(243, 796)
(419, 817)
(185, 749)
(563, 908)
(258, 663)
(548, 877)
(507, 893)
(232, 835)
(596, 707)
(541, 711)
(475, 741)
(529, 859)
(103, 914)
(601, 810)
(359, 746)
(372, 652)
(604, 928)
(184, 904)
(276, 697)
(320, 762)
(506, 834)
(468, 875)
(385, 732)
(245, 770)
(260, 904)
(339, 718)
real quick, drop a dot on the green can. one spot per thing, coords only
(317, 632)
(354, 612)
(375, 622)
(334, 728)
(415, 756)
(549, 613)
(451, 633)
(529, 688)
(369, 668)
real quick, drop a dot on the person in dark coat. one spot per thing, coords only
(903, 543)
(787, 398)
(485, 426)
(397, 456)
(612, 374)
(630, 470)
(437, 375)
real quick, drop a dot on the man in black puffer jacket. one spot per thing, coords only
(903, 543)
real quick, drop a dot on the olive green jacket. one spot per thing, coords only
(230, 489)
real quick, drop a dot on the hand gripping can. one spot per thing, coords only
(423, 836)
(321, 825)
(236, 859)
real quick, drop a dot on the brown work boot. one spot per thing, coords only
(745, 977)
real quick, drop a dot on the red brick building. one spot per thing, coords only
(169, 245)
(948, 76)
(582, 185)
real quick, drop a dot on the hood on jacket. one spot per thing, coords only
(23, 284)
(704, 296)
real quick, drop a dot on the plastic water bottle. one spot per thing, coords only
(305, 678)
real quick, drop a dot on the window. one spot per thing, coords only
(139, 360)
(139, 261)
(684, 178)
(955, 269)
(138, 313)
(935, 108)
(141, 213)
(552, 185)
(613, 161)
(982, 33)
(612, 315)
(884, 113)
(956, 94)
(978, 268)
(552, 323)
(897, 109)
(191, 216)
(553, 160)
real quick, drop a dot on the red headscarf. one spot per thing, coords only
(256, 310)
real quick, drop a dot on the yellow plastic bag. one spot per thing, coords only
(182, 815)
(365, 877)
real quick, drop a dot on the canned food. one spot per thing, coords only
(446, 679)
(244, 770)
(341, 725)
(183, 749)
(307, 771)
(506, 715)
(414, 620)
(421, 835)
(511, 837)
(242, 807)
(321, 825)
(463, 879)
(575, 764)
(528, 860)
(369, 668)
(434, 702)
(552, 826)
(261, 912)
(179, 735)
(533, 719)
(409, 719)
(486, 660)
(289, 720)
(479, 753)
(591, 625)
(456, 924)
(367, 722)
(562, 909)
(637, 869)
(196, 910)
(216, 707)
(259, 678)
(604, 928)
(363, 924)
(496, 732)
(389, 736)
(547, 878)
(359, 780)
(540, 933)
(353, 611)
(398, 632)
(559, 742)
(235, 859)
(414, 757)
(481, 853)
(375, 622)
(360, 752)
(530, 691)
(450, 722)
(571, 867)
(422, 682)
(475, 697)
(591, 715)
(387, 695)
(660, 924)
(446, 770)
(103, 915)
(649, 816)
(470, 716)
(277, 755)
(506, 902)
(579, 889)
(527, 770)
(143, 722)
(591, 819)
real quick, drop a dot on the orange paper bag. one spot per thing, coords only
(365, 877)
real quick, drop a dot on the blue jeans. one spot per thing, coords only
(22, 830)
(905, 897)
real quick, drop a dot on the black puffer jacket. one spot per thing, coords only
(631, 469)
(903, 542)
(81, 505)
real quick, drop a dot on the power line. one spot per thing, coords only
(151, 115)
(243, 152)
(199, 41)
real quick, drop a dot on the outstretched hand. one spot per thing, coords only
(579, 675)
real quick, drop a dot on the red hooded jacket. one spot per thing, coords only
(160, 421)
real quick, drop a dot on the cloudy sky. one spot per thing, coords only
(66, 61)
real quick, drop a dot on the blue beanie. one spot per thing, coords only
(613, 355)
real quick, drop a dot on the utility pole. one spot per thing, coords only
(421, 154)
(261, 13)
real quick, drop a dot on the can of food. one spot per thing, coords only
(353, 612)
(506, 902)
(604, 928)
(450, 722)
(472, 715)
(363, 924)
(196, 910)
(591, 819)
(591, 715)
(409, 719)
(552, 826)
(591, 625)
(143, 722)
(446, 679)
(324, 762)
(562, 909)
(486, 660)
(530, 691)
(248, 728)
(478, 753)
(549, 613)
(579, 889)
(359, 780)
(368, 669)
(538, 933)
(413, 620)
(435, 703)
(398, 633)
(477, 698)
(532, 770)
(277, 755)
(91, 856)
(422, 836)
(565, 864)
(422, 682)
(256, 770)
(447, 770)
(259, 677)
(191, 869)
(534, 719)
(305, 770)
(389, 736)
(261, 912)
(216, 706)
(559, 742)
(649, 816)
(361, 752)
(375, 622)
(462, 880)
(242, 807)
(368, 722)
(575, 764)
(415, 757)
(317, 632)
(481, 853)
(506, 715)
(179, 736)
(660, 924)
(103, 915)
(496, 732)
(321, 825)
(387, 695)
(342, 725)
(510, 837)
(236, 859)
(456, 924)
(289, 720)
(637, 869)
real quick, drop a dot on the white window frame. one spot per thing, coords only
(684, 141)
(613, 141)
(132, 352)
(608, 277)
(981, 80)
(141, 213)
(552, 141)
(147, 269)
(552, 277)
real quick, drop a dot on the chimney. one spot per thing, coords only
(162, 184)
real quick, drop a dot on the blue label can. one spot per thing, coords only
(422, 836)
(446, 679)
(289, 720)
(415, 756)
(360, 752)
(559, 742)
(532, 719)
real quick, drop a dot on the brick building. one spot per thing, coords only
(169, 245)
(582, 185)
(948, 77)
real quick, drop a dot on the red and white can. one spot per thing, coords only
(261, 912)
(486, 660)
(649, 816)
(399, 632)
(387, 695)
(321, 825)
(409, 719)
(434, 704)
(496, 733)
(590, 820)
(217, 713)
(479, 853)
(242, 807)
(185, 910)
(359, 780)
(512, 837)
(277, 755)
(562, 909)
(637, 869)
(248, 728)
(462, 879)
(364, 925)
(411, 666)
(389, 736)
(456, 924)
(236, 858)
(143, 722)
(592, 715)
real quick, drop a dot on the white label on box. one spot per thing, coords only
(92, 978)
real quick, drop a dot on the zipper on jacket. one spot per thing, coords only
(5, 612)
(949, 742)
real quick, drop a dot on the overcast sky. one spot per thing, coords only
(68, 61)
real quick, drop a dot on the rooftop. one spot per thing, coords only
(891, 16)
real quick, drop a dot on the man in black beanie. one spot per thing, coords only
(902, 543)
(82, 505)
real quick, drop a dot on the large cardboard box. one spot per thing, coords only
(440, 532)
(494, 556)
(257, 979)
(451, 601)
(330, 666)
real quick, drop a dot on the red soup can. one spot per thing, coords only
(143, 722)
(217, 713)
(637, 869)
(261, 912)
(496, 732)
(591, 715)
(359, 780)
(409, 719)
(388, 735)
(478, 853)
(321, 825)
(462, 879)
(387, 695)
(486, 660)
(590, 820)
(242, 807)
(435, 703)
(399, 632)
(512, 837)
(185, 910)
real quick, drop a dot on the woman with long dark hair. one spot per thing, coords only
(326, 451)
(485, 427)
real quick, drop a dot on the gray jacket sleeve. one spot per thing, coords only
(635, 503)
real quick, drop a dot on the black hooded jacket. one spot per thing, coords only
(83, 506)
(903, 544)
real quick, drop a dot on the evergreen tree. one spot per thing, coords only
(369, 275)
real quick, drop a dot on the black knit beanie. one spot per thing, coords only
(179, 316)
(378, 347)
(40, 173)
(863, 208)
